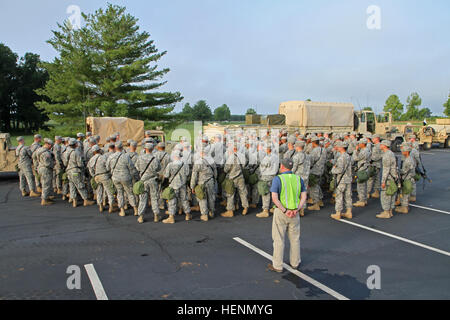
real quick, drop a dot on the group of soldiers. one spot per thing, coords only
(236, 167)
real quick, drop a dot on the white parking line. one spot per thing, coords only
(446, 253)
(431, 209)
(95, 282)
(296, 272)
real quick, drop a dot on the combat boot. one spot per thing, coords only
(359, 204)
(100, 208)
(180, 211)
(384, 215)
(195, 208)
(125, 206)
(224, 203)
(336, 216)
(170, 219)
(39, 189)
(244, 212)
(188, 216)
(156, 218)
(321, 203)
(253, 206)
(402, 209)
(58, 191)
(332, 200)
(135, 209)
(204, 217)
(46, 202)
(310, 201)
(390, 213)
(412, 199)
(348, 214)
(397, 202)
(88, 203)
(263, 214)
(302, 212)
(122, 212)
(228, 214)
(51, 197)
(211, 214)
(74, 203)
(141, 219)
(111, 209)
(34, 194)
(24, 193)
(64, 197)
(376, 194)
(272, 210)
(314, 207)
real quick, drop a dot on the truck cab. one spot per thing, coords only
(8, 159)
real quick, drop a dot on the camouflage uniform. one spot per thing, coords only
(97, 169)
(177, 173)
(269, 169)
(415, 155)
(407, 172)
(34, 148)
(362, 159)
(204, 173)
(45, 170)
(164, 159)
(317, 157)
(233, 170)
(75, 170)
(343, 171)
(374, 183)
(389, 176)
(123, 171)
(59, 166)
(26, 177)
(149, 177)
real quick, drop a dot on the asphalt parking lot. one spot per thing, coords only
(196, 260)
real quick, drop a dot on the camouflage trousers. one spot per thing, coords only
(404, 199)
(46, 182)
(267, 198)
(104, 189)
(57, 179)
(76, 184)
(37, 182)
(374, 183)
(305, 181)
(180, 197)
(414, 190)
(343, 197)
(151, 189)
(26, 179)
(362, 191)
(208, 203)
(315, 192)
(124, 188)
(239, 187)
(387, 202)
(280, 224)
(253, 191)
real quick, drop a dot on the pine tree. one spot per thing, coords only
(106, 68)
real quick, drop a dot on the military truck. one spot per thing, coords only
(435, 133)
(8, 159)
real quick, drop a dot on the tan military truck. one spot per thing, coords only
(8, 159)
(435, 133)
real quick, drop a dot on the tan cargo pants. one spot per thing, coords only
(282, 223)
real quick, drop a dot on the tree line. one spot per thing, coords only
(201, 111)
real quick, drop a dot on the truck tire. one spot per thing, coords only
(447, 143)
(427, 146)
(396, 144)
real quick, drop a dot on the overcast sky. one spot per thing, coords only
(258, 53)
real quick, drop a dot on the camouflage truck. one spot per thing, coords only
(435, 133)
(8, 159)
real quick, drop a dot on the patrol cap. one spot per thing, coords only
(362, 141)
(20, 138)
(283, 138)
(148, 140)
(92, 140)
(300, 144)
(72, 141)
(133, 143)
(344, 144)
(406, 148)
(95, 148)
(148, 132)
(287, 163)
(37, 136)
(353, 133)
(314, 139)
(292, 139)
(148, 146)
(386, 143)
(58, 138)
(80, 135)
(108, 139)
(88, 134)
(340, 144)
(119, 144)
(376, 136)
(97, 137)
(129, 141)
(205, 138)
(49, 141)
(161, 145)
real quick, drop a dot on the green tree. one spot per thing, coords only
(8, 85)
(424, 113)
(106, 68)
(201, 111)
(447, 106)
(250, 111)
(412, 110)
(187, 111)
(222, 113)
(394, 106)
(368, 108)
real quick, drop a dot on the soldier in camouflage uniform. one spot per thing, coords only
(149, 167)
(34, 147)
(361, 155)
(301, 166)
(374, 182)
(415, 155)
(268, 170)
(97, 169)
(26, 178)
(58, 148)
(123, 172)
(46, 163)
(65, 183)
(233, 169)
(75, 170)
(132, 151)
(204, 173)
(164, 158)
(342, 170)
(317, 158)
(390, 175)
(176, 173)
(407, 172)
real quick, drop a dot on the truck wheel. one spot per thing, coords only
(396, 144)
(427, 146)
(447, 143)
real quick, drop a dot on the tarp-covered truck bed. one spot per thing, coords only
(310, 116)
(106, 126)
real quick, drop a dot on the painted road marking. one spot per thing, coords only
(95, 282)
(426, 208)
(446, 253)
(296, 272)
